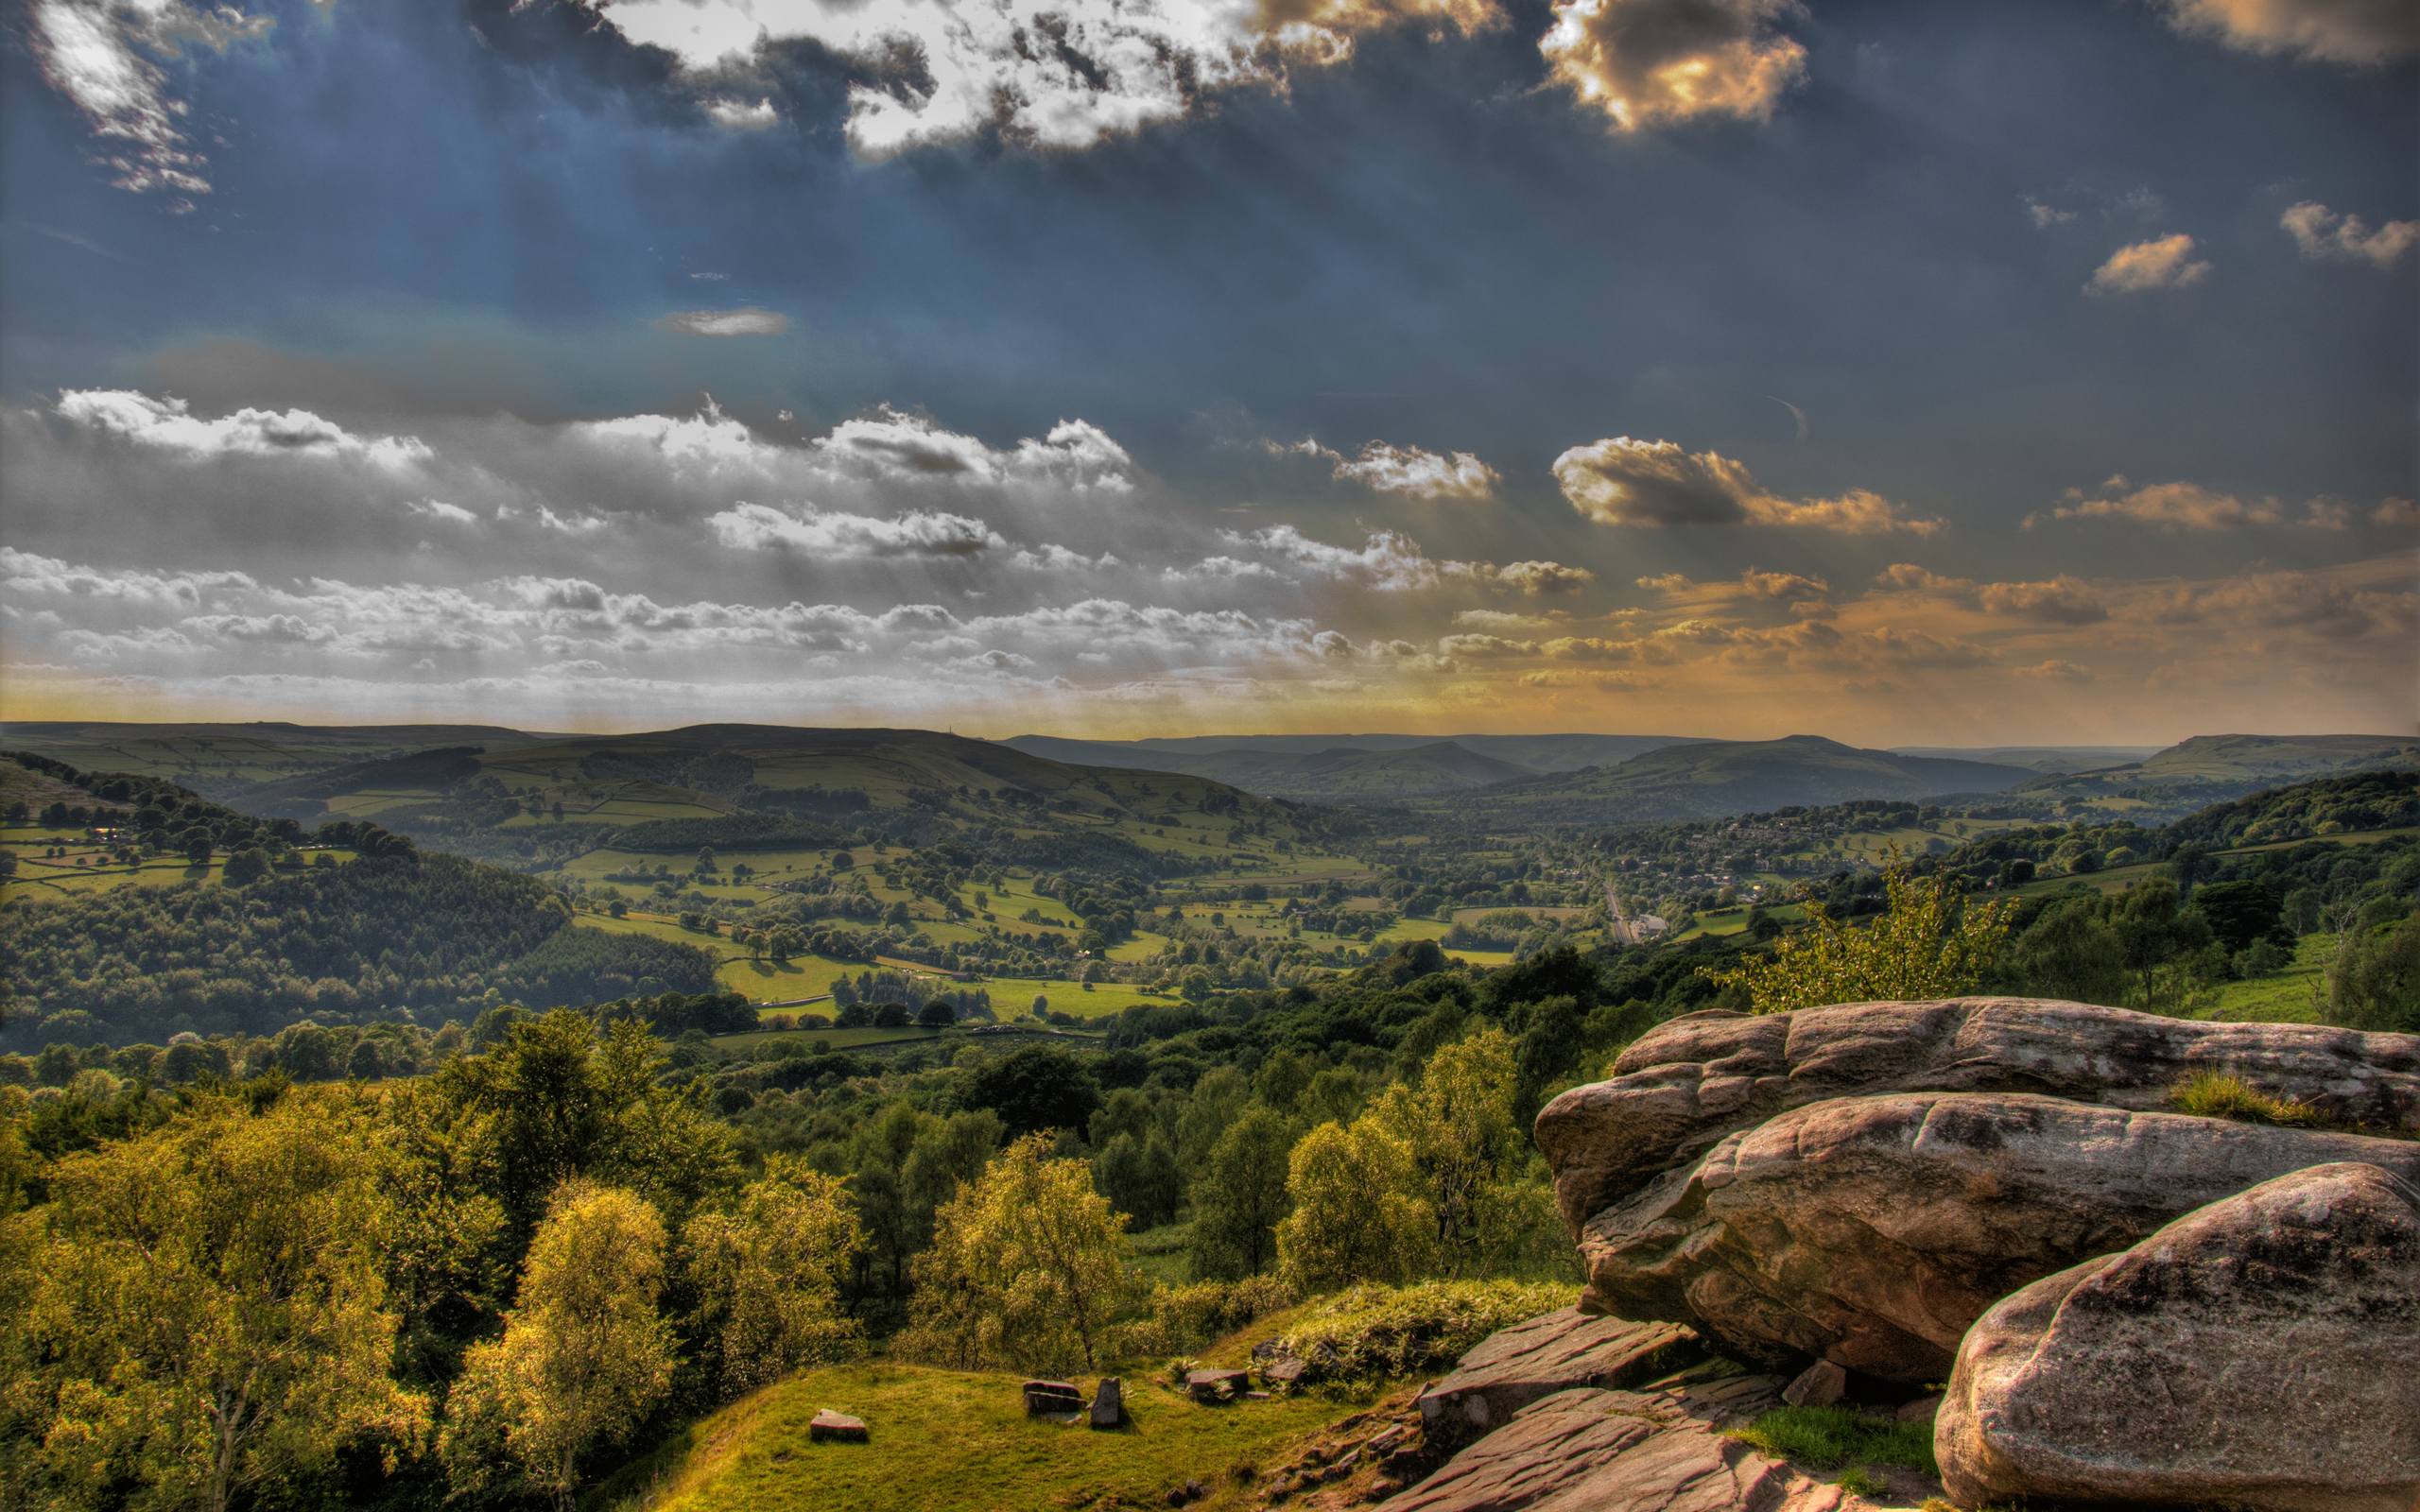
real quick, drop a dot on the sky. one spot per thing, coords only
(1903, 372)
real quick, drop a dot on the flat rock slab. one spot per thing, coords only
(2261, 1354)
(1588, 1450)
(835, 1427)
(1687, 1083)
(1555, 1351)
(1873, 1231)
(1050, 1398)
(1216, 1385)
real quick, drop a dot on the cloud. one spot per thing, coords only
(886, 443)
(821, 533)
(739, 115)
(1053, 74)
(1622, 481)
(748, 321)
(2165, 263)
(1420, 475)
(2334, 31)
(1649, 63)
(1540, 578)
(2173, 506)
(2053, 671)
(95, 53)
(2321, 233)
(440, 509)
(24, 572)
(2063, 600)
(169, 424)
(2045, 215)
(1753, 583)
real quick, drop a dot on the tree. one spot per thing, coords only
(936, 1015)
(2375, 982)
(1465, 1144)
(2154, 934)
(245, 867)
(1359, 1212)
(2070, 952)
(208, 1312)
(584, 1355)
(1035, 1089)
(196, 843)
(1028, 1268)
(1929, 942)
(767, 1274)
(1239, 1199)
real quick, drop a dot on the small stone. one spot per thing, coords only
(1109, 1404)
(1258, 1396)
(1285, 1372)
(835, 1427)
(1819, 1384)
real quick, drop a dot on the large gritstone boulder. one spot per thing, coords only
(1685, 1084)
(2261, 1354)
(1872, 1232)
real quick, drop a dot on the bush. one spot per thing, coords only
(1182, 1319)
(1381, 1332)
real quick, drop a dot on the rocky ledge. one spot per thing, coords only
(2131, 1305)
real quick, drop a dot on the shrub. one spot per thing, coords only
(1379, 1332)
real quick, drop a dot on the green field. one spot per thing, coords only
(2287, 997)
(38, 878)
(1734, 920)
(755, 1453)
(1011, 996)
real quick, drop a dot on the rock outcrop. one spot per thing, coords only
(2261, 1354)
(1685, 1084)
(1870, 1232)
(1587, 1449)
(1554, 1352)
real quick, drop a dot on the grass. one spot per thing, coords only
(1372, 1333)
(1837, 1438)
(2286, 996)
(2214, 1094)
(1165, 1254)
(957, 1441)
(800, 977)
(1012, 995)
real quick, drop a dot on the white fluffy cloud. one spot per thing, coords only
(2336, 31)
(2162, 263)
(1624, 481)
(1413, 472)
(888, 444)
(2321, 233)
(1053, 72)
(1655, 62)
(170, 425)
(823, 533)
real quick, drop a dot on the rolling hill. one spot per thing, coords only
(1352, 768)
(2213, 769)
(1713, 778)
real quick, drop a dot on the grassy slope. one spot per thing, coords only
(956, 1441)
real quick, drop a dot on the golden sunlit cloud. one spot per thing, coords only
(2163, 262)
(1651, 63)
(1624, 481)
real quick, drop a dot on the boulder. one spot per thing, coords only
(1515, 1366)
(2262, 1353)
(1588, 1450)
(1052, 1397)
(1215, 1385)
(1687, 1083)
(1285, 1371)
(1819, 1384)
(1109, 1404)
(836, 1427)
(1872, 1232)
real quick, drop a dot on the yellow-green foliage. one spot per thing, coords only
(768, 1273)
(1028, 1268)
(2215, 1094)
(1379, 1332)
(1360, 1213)
(1181, 1319)
(1931, 943)
(584, 1355)
(206, 1315)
